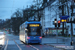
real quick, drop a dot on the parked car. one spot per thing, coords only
(2, 39)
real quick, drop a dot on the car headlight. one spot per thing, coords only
(1, 36)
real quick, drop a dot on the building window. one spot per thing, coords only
(48, 0)
(74, 28)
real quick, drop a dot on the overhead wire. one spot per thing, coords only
(12, 6)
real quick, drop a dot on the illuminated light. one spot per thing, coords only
(55, 21)
(2, 41)
(34, 25)
(58, 21)
(40, 37)
(28, 37)
(63, 20)
(2, 36)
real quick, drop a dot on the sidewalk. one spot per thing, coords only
(63, 43)
(59, 37)
(62, 46)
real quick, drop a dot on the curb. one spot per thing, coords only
(54, 46)
(58, 38)
(49, 45)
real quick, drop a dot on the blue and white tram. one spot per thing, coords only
(30, 32)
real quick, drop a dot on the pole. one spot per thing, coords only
(63, 23)
(68, 15)
(37, 9)
(57, 29)
(71, 32)
(42, 25)
(57, 34)
(71, 25)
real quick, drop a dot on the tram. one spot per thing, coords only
(30, 32)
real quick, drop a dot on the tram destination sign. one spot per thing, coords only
(34, 25)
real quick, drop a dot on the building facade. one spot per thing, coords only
(53, 12)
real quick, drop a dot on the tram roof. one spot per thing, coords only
(36, 22)
(31, 22)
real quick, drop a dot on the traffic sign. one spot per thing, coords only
(63, 19)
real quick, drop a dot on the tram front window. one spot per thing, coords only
(34, 31)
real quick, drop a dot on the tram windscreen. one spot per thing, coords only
(34, 31)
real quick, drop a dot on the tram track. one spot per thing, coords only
(26, 45)
(34, 47)
(45, 46)
(5, 47)
(17, 45)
